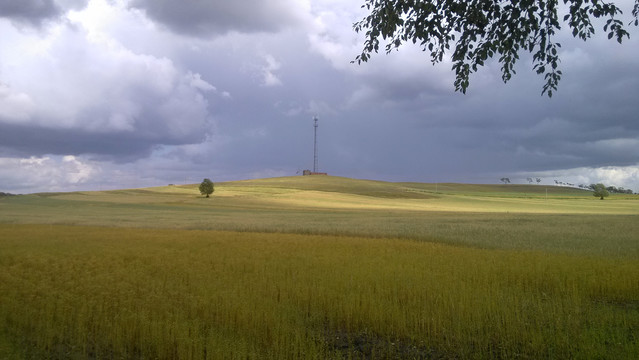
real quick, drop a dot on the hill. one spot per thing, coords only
(522, 216)
(402, 190)
(325, 193)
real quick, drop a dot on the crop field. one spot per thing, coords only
(320, 268)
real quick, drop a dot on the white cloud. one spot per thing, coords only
(618, 176)
(73, 75)
(14, 106)
(268, 71)
(48, 173)
(331, 34)
(79, 77)
(627, 176)
(77, 171)
(197, 83)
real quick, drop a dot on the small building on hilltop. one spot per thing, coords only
(309, 172)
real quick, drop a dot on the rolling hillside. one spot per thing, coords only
(493, 216)
(321, 193)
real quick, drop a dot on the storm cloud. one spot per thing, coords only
(90, 95)
(36, 12)
(153, 92)
(209, 18)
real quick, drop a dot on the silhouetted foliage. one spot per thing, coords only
(479, 30)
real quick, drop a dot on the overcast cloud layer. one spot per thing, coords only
(110, 94)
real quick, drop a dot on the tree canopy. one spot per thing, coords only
(600, 191)
(206, 187)
(483, 29)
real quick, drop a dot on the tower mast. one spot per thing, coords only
(315, 144)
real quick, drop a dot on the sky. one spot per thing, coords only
(111, 94)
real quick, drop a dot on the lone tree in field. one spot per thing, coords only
(600, 191)
(206, 187)
(478, 30)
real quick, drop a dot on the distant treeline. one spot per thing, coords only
(5, 194)
(611, 189)
(618, 190)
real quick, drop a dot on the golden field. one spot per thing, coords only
(320, 267)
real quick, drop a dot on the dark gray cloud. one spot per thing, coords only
(32, 12)
(36, 12)
(208, 18)
(25, 141)
(591, 121)
(109, 133)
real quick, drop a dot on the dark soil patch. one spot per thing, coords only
(367, 345)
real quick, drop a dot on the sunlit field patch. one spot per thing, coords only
(91, 292)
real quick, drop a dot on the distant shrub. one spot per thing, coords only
(206, 187)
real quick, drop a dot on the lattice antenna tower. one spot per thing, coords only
(315, 144)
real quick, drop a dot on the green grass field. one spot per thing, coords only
(320, 267)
